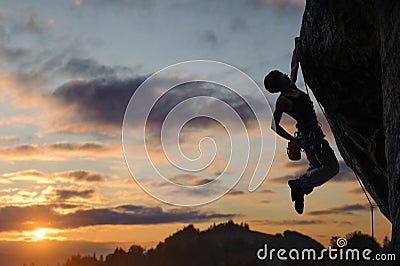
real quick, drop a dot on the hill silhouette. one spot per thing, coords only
(227, 244)
(223, 244)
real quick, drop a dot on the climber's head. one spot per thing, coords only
(276, 81)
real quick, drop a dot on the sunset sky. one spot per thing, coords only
(67, 70)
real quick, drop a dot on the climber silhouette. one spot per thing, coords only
(323, 164)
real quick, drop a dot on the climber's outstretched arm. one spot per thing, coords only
(294, 67)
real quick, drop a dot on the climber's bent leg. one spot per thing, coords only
(329, 167)
(312, 160)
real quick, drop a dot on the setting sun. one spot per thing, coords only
(40, 233)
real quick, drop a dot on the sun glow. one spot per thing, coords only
(40, 233)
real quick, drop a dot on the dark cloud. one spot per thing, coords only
(266, 191)
(98, 100)
(139, 215)
(103, 101)
(203, 181)
(56, 151)
(66, 194)
(36, 216)
(82, 176)
(289, 222)
(235, 193)
(281, 180)
(89, 68)
(301, 222)
(355, 191)
(75, 176)
(20, 151)
(195, 89)
(343, 210)
(190, 180)
(345, 223)
(68, 147)
(63, 206)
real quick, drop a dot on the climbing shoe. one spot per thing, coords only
(297, 195)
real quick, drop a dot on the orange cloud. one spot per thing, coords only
(59, 151)
(76, 176)
(346, 209)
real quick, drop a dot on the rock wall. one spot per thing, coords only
(349, 54)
